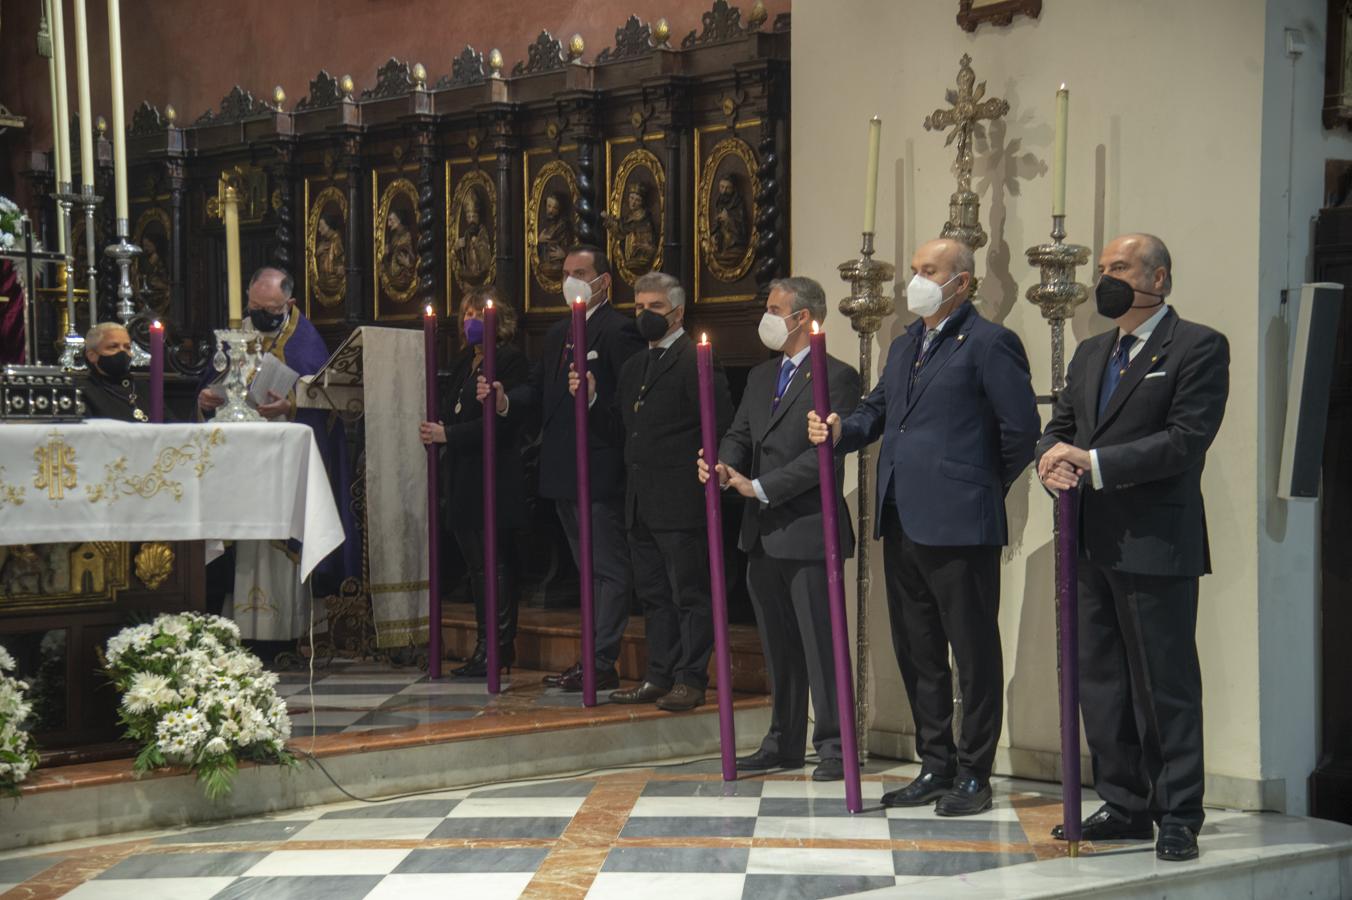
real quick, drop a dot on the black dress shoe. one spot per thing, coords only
(1176, 844)
(1104, 825)
(561, 677)
(829, 770)
(605, 681)
(969, 796)
(647, 692)
(764, 761)
(925, 789)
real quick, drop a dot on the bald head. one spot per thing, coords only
(1142, 260)
(941, 261)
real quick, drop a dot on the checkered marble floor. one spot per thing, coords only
(671, 831)
(352, 697)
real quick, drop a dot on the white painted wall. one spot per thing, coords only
(1179, 125)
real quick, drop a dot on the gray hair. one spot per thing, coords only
(807, 294)
(661, 283)
(98, 332)
(288, 284)
(1156, 256)
(964, 260)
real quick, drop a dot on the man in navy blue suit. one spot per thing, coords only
(958, 419)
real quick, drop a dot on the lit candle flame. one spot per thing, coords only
(156, 324)
(815, 329)
(488, 304)
(703, 337)
(1063, 85)
(429, 311)
(578, 300)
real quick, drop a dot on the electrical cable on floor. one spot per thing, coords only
(505, 781)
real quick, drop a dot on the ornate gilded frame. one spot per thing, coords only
(314, 209)
(116, 557)
(455, 199)
(972, 13)
(550, 170)
(618, 179)
(151, 214)
(706, 169)
(381, 202)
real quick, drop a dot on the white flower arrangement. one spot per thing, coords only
(193, 696)
(10, 231)
(17, 756)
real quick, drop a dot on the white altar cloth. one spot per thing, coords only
(122, 481)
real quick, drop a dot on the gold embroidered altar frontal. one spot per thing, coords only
(121, 481)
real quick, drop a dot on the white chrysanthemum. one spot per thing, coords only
(6, 661)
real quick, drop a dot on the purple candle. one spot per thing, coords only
(490, 412)
(157, 372)
(835, 576)
(584, 520)
(1068, 603)
(433, 528)
(713, 521)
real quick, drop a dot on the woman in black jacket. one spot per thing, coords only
(461, 430)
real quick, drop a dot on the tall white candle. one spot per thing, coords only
(62, 110)
(119, 111)
(234, 294)
(57, 149)
(1059, 153)
(875, 131)
(82, 85)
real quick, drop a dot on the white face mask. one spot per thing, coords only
(574, 288)
(924, 297)
(774, 331)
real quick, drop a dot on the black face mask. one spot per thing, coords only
(266, 321)
(1115, 297)
(115, 365)
(652, 326)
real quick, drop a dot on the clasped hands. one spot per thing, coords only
(574, 381)
(1062, 467)
(728, 477)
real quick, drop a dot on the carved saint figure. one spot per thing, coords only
(154, 276)
(474, 250)
(399, 265)
(554, 236)
(330, 256)
(729, 228)
(635, 229)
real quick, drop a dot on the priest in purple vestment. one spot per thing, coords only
(289, 336)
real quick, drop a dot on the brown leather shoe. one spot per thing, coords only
(605, 681)
(681, 698)
(647, 692)
(558, 679)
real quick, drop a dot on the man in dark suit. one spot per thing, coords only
(658, 419)
(611, 340)
(767, 459)
(1142, 404)
(958, 419)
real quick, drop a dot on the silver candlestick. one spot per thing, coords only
(866, 306)
(1058, 293)
(237, 351)
(123, 252)
(72, 345)
(90, 201)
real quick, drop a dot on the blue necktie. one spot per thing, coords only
(785, 376)
(1117, 367)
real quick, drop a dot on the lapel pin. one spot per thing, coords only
(1154, 358)
(961, 336)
